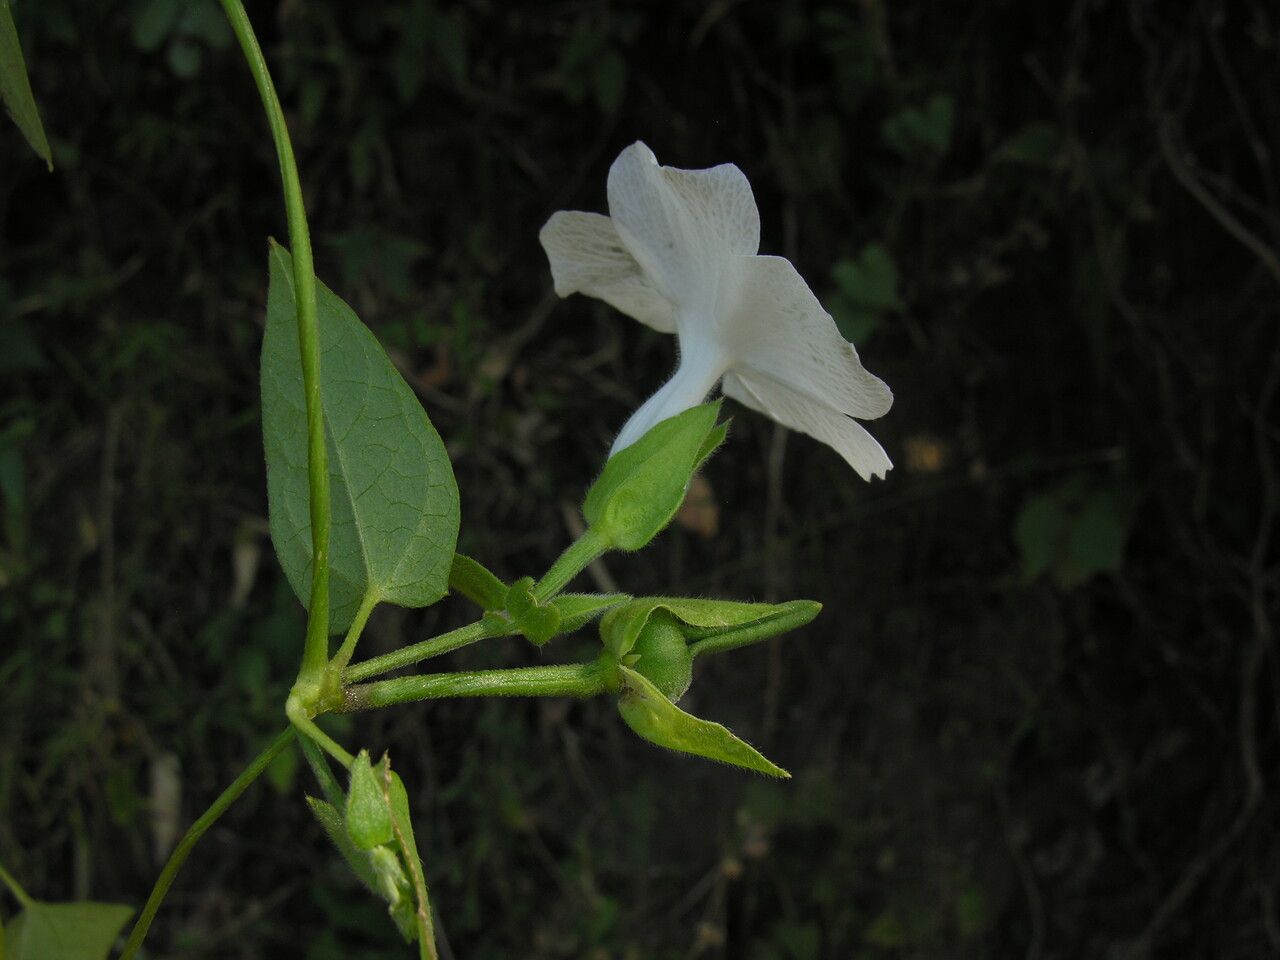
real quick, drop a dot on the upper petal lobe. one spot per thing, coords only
(587, 256)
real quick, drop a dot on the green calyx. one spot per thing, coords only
(642, 487)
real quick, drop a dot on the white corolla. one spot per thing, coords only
(679, 253)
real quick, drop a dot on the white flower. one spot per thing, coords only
(678, 252)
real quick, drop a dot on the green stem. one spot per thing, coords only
(15, 888)
(324, 776)
(193, 835)
(568, 680)
(315, 654)
(415, 653)
(588, 547)
(790, 615)
(348, 647)
(299, 715)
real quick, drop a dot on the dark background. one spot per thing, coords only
(1037, 717)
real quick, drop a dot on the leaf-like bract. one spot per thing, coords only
(367, 814)
(651, 715)
(394, 499)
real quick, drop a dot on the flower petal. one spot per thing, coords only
(796, 410)
(587, 256)
(695, 378)
(683, 226)
(780, 329)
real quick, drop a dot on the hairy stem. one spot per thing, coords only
(588, 547)
(568, 680)
(417, 652)
(343, 656)
(315, 654)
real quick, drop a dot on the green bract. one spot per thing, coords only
(650, 714)
(539, 622)
(515, 609)
(579, 609)
(375, 837)
(367, 816)
(709, 625)
(394, 499)
(660, 636)
(475, 582)
(644, 484)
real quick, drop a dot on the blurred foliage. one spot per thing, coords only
(1034, 717)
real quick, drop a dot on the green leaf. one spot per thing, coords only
(538, 622)
(799, 941)
(927, 128)
(641, 487)
(153, 22)
(368, 818)
(185, 58)
(1037, 144)
(1098, 535)
(394, 498)
(1039, 531)
(610, 81)
(15, 87)
(1075, 530)
(65, 931)
(658, 720)
(475, 582)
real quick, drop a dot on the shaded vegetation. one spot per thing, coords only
(1037, 714)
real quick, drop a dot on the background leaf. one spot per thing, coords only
(1075, 530)
(65, 931)
(866, 289)
(395, 502)
(15, 88)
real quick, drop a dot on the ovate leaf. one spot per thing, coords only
(393, 495)
(65, 931)
(15, 88)
(658, 720)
